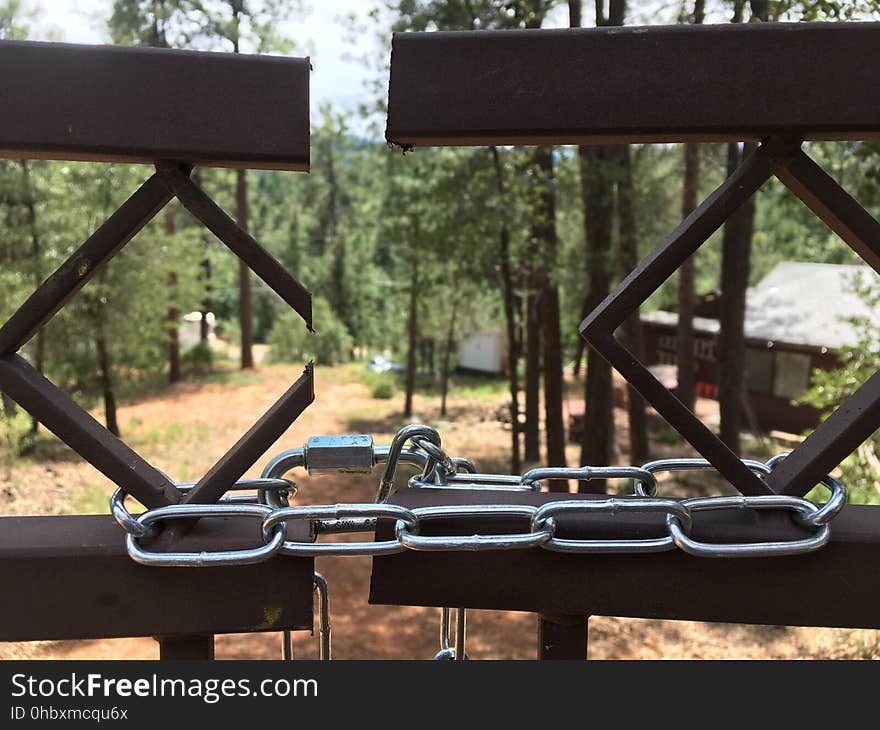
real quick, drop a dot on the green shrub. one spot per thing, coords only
(16, 434)
(383, 390)
(290, 341)
(199, 358)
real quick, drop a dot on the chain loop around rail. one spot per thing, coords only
(504, 526)
(282, 488)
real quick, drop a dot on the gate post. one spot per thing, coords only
(191, 646)
(562, 636)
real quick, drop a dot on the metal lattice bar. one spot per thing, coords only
(84, 263)
(831, 442)
(599, 326)
(222, 122)
(239, 241)
(265, 432)
(837, 208)
(75, 427)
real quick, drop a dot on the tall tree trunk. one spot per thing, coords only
(245, 313)
(531, 431)
(629, 259)
(412, 334)
(544, 233)
(510, 319)
(735, 264)
(687, 390)
(104, 368)
(173, 312)
(37, 262)
(582, 344)
(204, 327)
(598, 166)
(447, 354)
(736, 247)
(245, 317)
(206, 303)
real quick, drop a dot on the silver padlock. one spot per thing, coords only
(346, 454)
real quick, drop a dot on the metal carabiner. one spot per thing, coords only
(386, 484)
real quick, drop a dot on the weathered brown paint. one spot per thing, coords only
(838, 585)
(69, 577)
(74, 102)
(525, 86)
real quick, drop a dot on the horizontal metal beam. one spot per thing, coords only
(639, 84)
(69, 577)
(838, 585)
(106, 103)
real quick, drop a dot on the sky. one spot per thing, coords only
(338, 77)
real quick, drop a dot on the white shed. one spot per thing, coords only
(483, 352)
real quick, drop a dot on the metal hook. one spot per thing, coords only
(322, 592)
(448, 652)
(386, 485)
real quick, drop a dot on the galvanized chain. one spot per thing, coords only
(438, 470)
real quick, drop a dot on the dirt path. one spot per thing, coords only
(186, 428)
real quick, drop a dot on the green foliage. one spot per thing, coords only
(830, 388)
(198, 359)
(16, 434)
(290, 341)
(383, 389)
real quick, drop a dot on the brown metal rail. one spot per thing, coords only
(648, 84)
(103, 103)
(838, 585)
(70, 577)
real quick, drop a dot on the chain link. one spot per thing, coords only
(797, 505)
(540, 524)
(272, 545)
(409, 537)
(282, 488)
